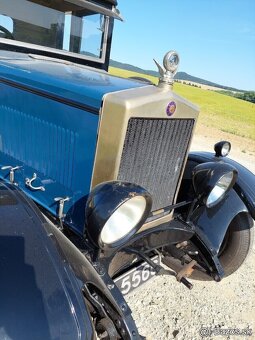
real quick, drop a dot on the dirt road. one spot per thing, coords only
(243, 149)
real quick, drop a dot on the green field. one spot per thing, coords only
(220, 111)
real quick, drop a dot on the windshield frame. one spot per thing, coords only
(101, 61)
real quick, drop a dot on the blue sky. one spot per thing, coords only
(215, 39)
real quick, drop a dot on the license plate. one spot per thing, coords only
(136, 276)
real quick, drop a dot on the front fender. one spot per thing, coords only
(43, 275)
(39, 295)
(245, 184)
(214, 222)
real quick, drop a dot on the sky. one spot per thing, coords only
(215, 39)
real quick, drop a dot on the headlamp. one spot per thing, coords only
(219, 190)
(222, 148)
(212, 180)
(115, 211)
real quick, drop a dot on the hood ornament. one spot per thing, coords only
(171, 62)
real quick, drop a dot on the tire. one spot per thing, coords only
(106, 330)
(235, 247)
(237, 243)
(234, 250)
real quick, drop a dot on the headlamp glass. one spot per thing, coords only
(220, 189)
(123, 220)
(225, 149)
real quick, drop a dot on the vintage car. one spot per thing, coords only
(98, 190)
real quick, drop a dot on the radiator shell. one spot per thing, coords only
(145, 104)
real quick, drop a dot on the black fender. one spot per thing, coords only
(40, 296)
(96, 277)
(245, 184)
(44, 278)
(214, 222)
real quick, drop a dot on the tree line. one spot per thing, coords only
(246, 95)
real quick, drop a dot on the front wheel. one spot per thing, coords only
(235, 247)
(237, 243)
(106, 330)
(234, 250)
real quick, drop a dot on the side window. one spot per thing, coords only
(6, 27)
(84, 34)
(93, 27)
(67, 31)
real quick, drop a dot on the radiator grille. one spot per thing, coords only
(153, 155)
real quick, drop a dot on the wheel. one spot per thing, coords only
(106, 330)
(236, 244)
(235, 247)
(233, 251)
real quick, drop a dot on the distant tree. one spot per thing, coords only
(246, 95)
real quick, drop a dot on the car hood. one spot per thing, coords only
(81, 85)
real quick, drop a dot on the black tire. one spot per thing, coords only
(237, 243)
(235, 246)
(234, 250)
(106, 330)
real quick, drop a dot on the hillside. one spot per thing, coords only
(179, 75)
(218, 111)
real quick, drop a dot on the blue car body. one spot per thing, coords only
(56, 108)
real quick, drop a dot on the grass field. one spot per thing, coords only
(220, 111)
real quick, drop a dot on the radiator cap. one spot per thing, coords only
(171, 62)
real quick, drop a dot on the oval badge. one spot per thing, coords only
(171, 107)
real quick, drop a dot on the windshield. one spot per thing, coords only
(55, 24)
